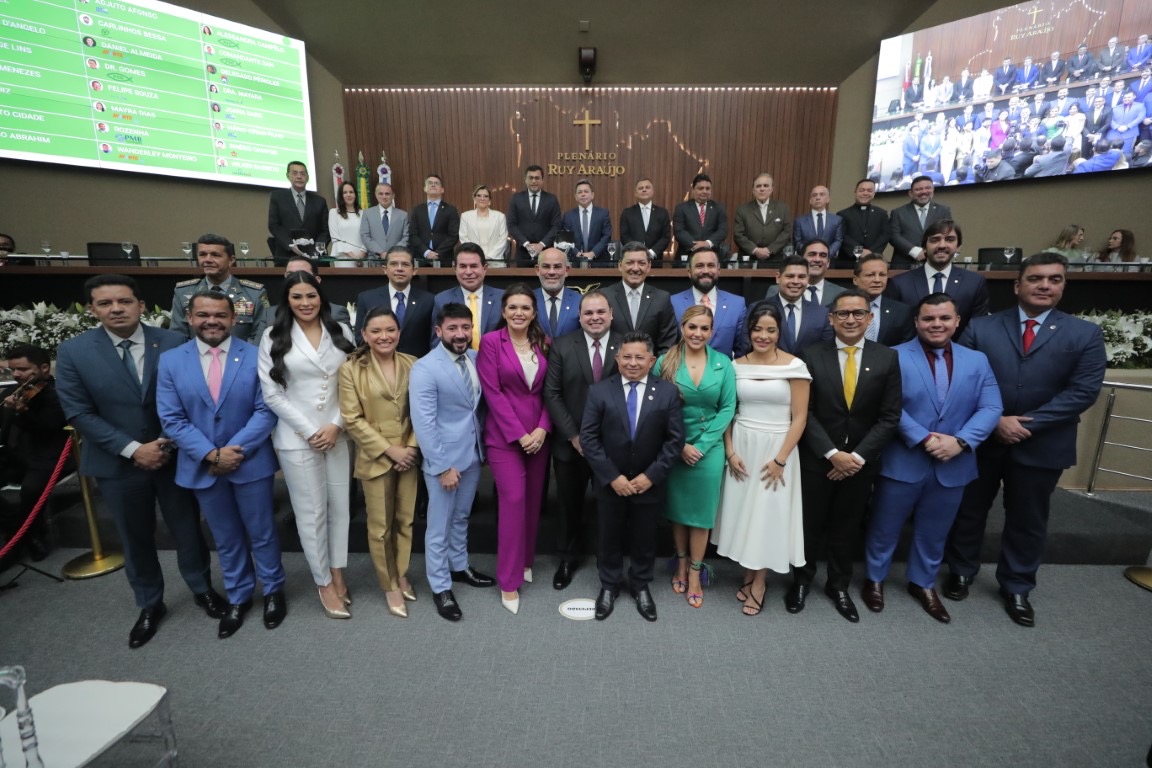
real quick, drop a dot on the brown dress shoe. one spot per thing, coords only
(930, 602)
(873, 595)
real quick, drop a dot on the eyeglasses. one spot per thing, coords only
(844, 314)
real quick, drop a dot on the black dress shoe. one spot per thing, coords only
(473, 578)
(843, 602)
(233, 619)
(38, 549)
(605, 602)
(146, 625)
(645, 605)
(956, 586)
(447, 606)
(213, 604)
(873, 595)
(275, 609)
(794, 598)
(563, 575)
(1019, 609)
(930, 602)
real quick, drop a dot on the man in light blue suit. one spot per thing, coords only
(557, 307)
(209, 399)
(591, 225)
(728, 309)
(805, 322)
(951, 405)
(483, 300)
(818, 224)
(1050, 367)
(447, 416)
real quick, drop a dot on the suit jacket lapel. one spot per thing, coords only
(1044, 332)
(235, 358)
(151, 360)
(924, 370)
(107, 350)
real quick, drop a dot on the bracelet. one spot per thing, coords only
(728, 456)
(216, 461)
(778, 463)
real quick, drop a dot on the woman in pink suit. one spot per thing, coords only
(512, 362)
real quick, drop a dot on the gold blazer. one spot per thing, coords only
(375, 415)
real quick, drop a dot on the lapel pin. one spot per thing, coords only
(867, 370)
(649, 397)
(235, 359)
(1051, 327)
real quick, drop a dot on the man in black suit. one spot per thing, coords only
(434, 226)
(864, 226)
(631, 433)
(963, 90)
(893, 322)
(533, 217)
(576, 361)
(906, 224)
(412, 306)
(853, 410)
(296, 215)
(637, 306)
(700, 222)
(1081, 66)
(647, 223)
(1097, 121)
(938, 274)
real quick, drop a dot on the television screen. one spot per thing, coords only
(148, 87)
(1027, 91)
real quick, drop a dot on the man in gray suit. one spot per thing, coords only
(109, 396)
(383, 225)
(1054, 163)
(908, 222)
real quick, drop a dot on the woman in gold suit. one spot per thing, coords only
(374, 404)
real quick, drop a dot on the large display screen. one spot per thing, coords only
(1027, 91)
(148, 87)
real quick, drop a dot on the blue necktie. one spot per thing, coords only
(129, 362)
(938, 282)
(790, 324)
(820, 225)
(584, 232)
(632, 405)
(384, 221)
(941, 376)
(400, 308)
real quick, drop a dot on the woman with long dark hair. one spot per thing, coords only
(347, 249)
(1118, 255)
(374, 404)
(512, 363)
(300, 356)
(708, 394)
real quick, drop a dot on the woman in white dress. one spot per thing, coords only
(760, 524)
(347, 249)
(300, 357)
(1074, 129)
(486, 227)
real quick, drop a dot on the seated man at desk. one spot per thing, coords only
(216, 256)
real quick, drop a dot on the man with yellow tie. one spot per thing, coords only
(728, 309)
(482, 300)
(853, 411)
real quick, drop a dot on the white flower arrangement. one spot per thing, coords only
(48, 326)
(1127, 337)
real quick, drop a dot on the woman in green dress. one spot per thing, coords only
(707, 384)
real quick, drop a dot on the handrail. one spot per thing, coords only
(1102, 441)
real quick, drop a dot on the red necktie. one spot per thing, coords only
(1029, 334)
(702, 210)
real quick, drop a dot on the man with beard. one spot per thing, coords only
(938, 274)
(728, 334)
(557, 307)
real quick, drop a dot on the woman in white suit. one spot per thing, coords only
(486, 227)
(300, 356)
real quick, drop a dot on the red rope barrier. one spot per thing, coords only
(42, 501)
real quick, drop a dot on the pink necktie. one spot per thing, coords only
(215, 374)
(704, 300)
(703, 211)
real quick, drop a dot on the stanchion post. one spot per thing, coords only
(97, 562)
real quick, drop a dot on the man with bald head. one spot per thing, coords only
(763, 226)
(383, 226)
(819, 224)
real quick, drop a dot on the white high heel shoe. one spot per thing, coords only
(512, 605)
(528, 575)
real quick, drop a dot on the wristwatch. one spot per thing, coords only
(963, 445)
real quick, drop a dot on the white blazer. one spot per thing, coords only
(311, 400)
(491, 234)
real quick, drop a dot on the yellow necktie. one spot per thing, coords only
(475, 321)
(850, 375)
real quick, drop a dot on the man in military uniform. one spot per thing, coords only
(216, 256)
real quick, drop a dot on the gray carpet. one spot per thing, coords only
(705, 687)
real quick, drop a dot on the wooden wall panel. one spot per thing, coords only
(473, 135)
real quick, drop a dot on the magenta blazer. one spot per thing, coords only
(514, 408)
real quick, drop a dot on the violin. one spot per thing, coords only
(18, 399)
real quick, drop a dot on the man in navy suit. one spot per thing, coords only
(448, 419)
(434, 228)
(209, 399)
(631, 433)
(114, 409)
(700, 222)
(296, 215)
(951, 405)
(482, 300)
(938, 274)
(647, 223)
(892, 321)
(1050, 367)
(1004, 78)
(411, 305)
(533, 217)
(728, 334)
(804, 322)
(819, 290)
(818, 224)
(590, 225)
(557, 307)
